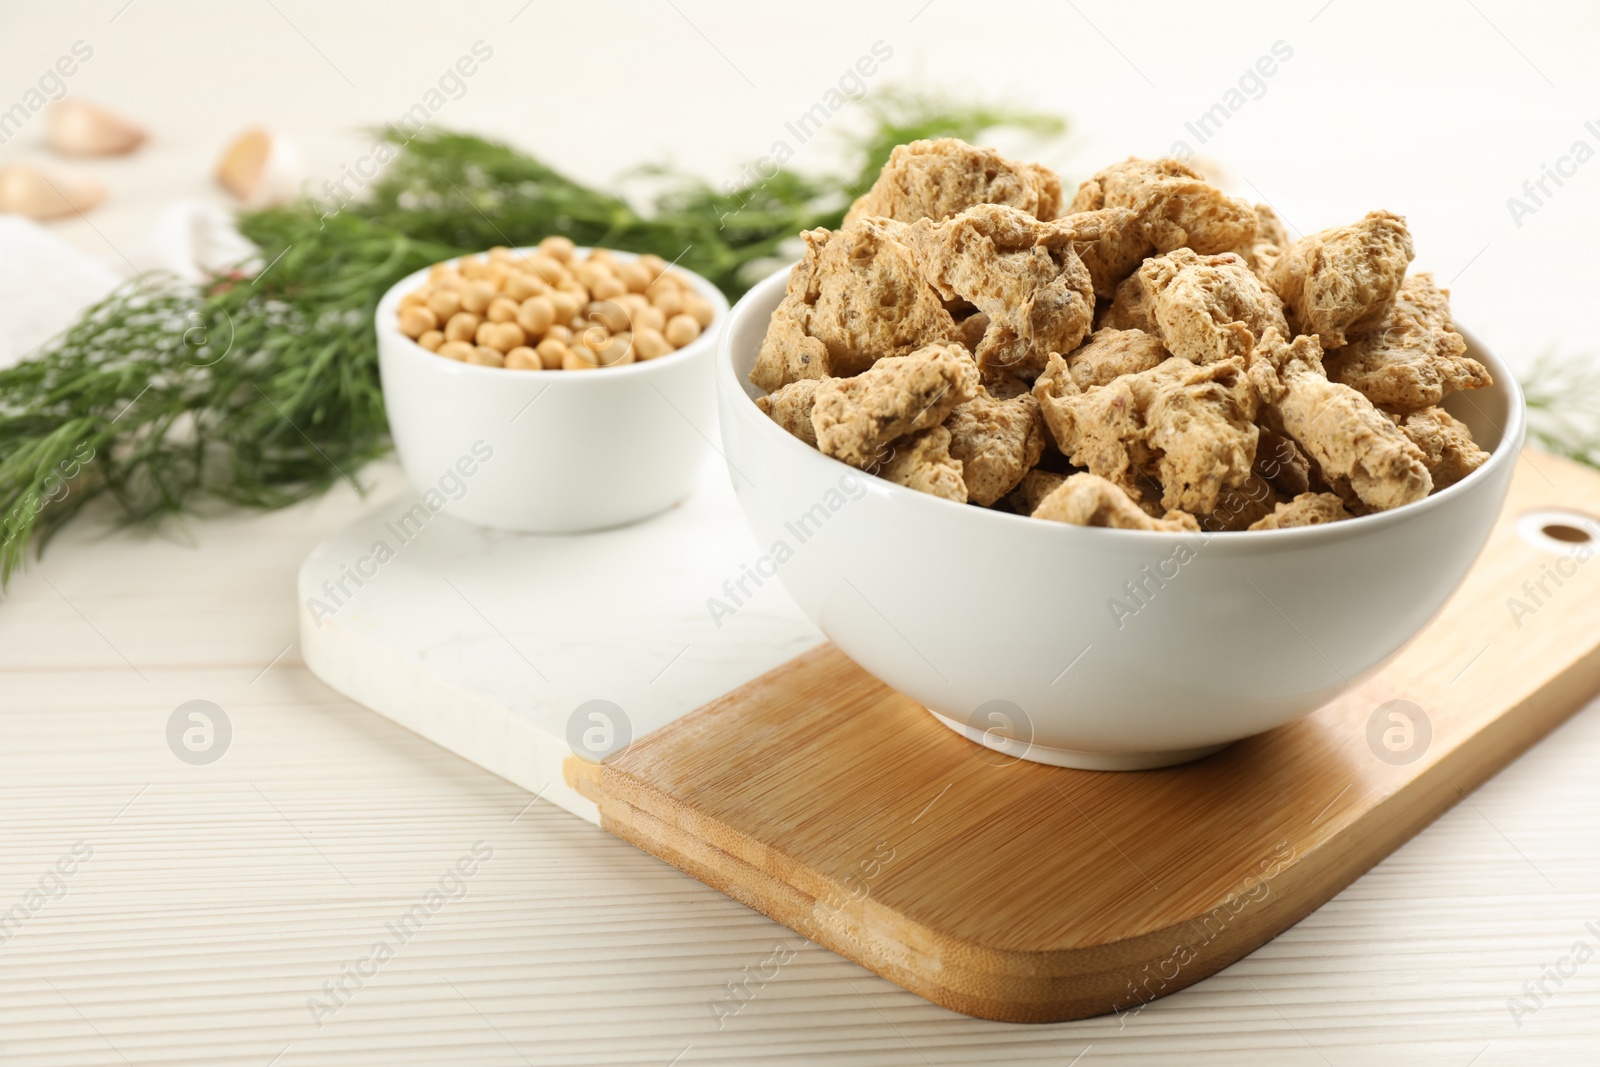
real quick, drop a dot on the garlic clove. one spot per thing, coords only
(79, 128)
(32, 193)
(260, 168)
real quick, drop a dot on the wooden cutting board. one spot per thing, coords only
(1014, 891)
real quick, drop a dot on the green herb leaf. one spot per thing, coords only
(1563, 400)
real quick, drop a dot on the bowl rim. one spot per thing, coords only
(1506, 451)
(386, 323)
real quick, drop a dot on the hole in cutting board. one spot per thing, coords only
(1559, 530)
(1562, 532)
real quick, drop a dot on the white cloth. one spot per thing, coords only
(46, 283)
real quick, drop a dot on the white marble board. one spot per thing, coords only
(487, 642)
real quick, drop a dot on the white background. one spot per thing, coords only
(1438, 110)
(210, 919)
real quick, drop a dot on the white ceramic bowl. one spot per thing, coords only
(1004, 626)
(549, 451)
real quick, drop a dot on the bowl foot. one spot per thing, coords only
(1078, 760)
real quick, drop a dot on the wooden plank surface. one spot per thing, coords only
(1020, 892)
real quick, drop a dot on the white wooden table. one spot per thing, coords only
(210, 909)
(219, 899)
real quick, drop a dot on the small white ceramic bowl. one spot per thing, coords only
(549, 452)
(1005, 627)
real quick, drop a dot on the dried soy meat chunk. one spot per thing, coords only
(1089, 500)
(1189, 428)
(1200, 422)
(1238, 508)
(790, 407)
(1341, 281)
(1025, 275)
(1108, 354)
(1413, 358)
(1447, 446)
(856, 419)
(1282, 463)
(997, 442)
(1307, 509)
(856, 296)
(935, 179)
(1111, 243)
(1272, 237)
(923, 462)
(1203, 308)
(1034, 487)
(1358, 451)
(1177, 208)
(1100, 429)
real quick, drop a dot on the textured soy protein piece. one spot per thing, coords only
(1023, 274)
(1282, 463)
(923, 462)
(939, 178)
(1111, 243)
(1109, 353)
(1307, 509)
(1200, 423)
(1413, 358)
(855, 297)
(997, 442)
(1341, 281)
(1100, 429)
(1240, 508)
(1203, 308)
(857, 418)
(1034, 487)
(1356, 448)
(1447, 446)
(790, 407)
(1189, 428)
(1177, 208)
(1272, 237)
(1089, 500)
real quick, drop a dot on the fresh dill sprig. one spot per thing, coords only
(254, 391)
(1563, 400)
(262, 390)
